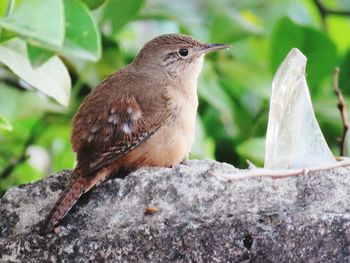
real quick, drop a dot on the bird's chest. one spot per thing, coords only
(182, 129)
(172, 143)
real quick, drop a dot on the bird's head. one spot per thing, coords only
(179, 56)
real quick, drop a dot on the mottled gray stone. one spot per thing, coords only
(199, 218)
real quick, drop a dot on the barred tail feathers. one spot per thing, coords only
(78, 185)
(75, 188)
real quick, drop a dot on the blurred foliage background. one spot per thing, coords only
(53, 52)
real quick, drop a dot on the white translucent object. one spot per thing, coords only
(294, 138)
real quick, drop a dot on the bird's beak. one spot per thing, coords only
(214, 47)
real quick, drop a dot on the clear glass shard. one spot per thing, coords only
(294, 138)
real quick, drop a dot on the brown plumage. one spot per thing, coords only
(142, 115)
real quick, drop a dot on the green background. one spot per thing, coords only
(94, 38)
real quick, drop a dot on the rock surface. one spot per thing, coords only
(198, 219)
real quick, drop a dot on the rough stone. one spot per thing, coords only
(198, 218)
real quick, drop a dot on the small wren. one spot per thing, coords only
(142, 115)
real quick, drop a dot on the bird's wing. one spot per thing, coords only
(104, 132)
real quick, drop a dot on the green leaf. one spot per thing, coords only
(210, 90)
(12, 101)
(38, 56)
(6, 35)
(118, 13)
(51, 78)
(285, 36)
(4, 5)
(9, 101)
(316, 45)
(253, 149)
(41, 20)
(5, 124)
(344, 79)
(203, 147)
(321, 54)
(93, 4)
(70, 28)
(336, 26)
(231, 28)
(82, 38)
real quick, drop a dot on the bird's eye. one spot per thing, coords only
(183, 52)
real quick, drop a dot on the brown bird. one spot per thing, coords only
(142, 115)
